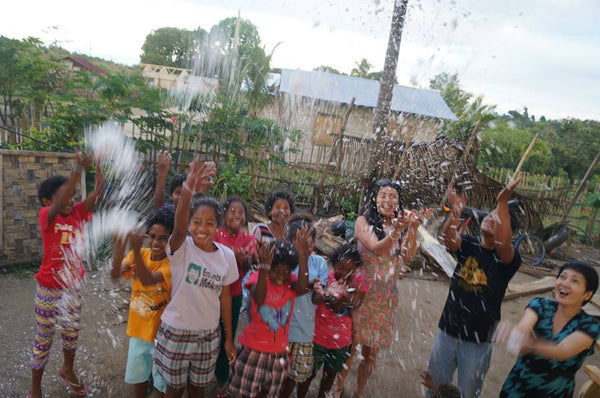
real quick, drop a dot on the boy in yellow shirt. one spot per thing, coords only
(151, 286)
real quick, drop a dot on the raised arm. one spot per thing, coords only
(118, 254)
(265, 258)
(182, 211)
(90, 200)
(502, 230)
(162, 166)
(65, 193)
(450, 233)
(145, 276)
(302, 240)
(364, 233)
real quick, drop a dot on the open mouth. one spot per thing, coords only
(562, 293)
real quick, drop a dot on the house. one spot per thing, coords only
(78, 63)
(316, 102)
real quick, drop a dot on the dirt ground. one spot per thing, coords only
(102, 352)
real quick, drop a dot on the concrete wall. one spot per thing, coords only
(21, 173)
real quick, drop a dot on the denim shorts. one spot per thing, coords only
(139, 364)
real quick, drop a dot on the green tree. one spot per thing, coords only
(467, 109)
(171, 47)
(362, 69)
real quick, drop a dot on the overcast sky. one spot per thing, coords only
(543, 54)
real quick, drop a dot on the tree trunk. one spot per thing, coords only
(382, 145)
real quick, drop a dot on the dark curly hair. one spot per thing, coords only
(163, 216)
(298, 221)
(279, 194)
(347, 251)
(236, 199)
(372, 215)
(285, 254)
(209, 202)
(176, 182)
(49, 186)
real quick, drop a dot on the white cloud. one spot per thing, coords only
(543, 54)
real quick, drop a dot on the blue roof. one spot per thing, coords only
(341, 88)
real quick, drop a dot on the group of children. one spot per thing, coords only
(186, 293)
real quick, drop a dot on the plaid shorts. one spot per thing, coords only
(255, 372)
(186, 355)
(301, 357)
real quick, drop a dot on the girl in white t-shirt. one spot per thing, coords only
(188, 339)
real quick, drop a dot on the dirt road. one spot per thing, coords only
(102, 352)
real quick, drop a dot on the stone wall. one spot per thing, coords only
(21, 173)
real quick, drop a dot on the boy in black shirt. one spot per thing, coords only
(484, 267)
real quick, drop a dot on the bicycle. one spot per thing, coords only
(531, 248)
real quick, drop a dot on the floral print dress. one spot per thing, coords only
(373, 321)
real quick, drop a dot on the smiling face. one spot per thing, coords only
(280, 212)
(203, 228)
(158, 236)
(235, 217)
(280, 274)
(570, 288)
(387, 202)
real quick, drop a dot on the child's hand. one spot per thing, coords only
(265, 252)
(164, 162)
(98, 179)
(82, 160)
(136, 239)
(318, 287)
(230, 351)
(337, 288)
(205, 177)
(303, 240)
(427, 380)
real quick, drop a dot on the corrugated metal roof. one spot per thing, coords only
(340, 88)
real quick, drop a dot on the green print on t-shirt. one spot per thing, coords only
(194, 273)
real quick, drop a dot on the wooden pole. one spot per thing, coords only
(580, 188)
(523, 158)
(463, 159)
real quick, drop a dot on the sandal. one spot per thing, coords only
(79, 389)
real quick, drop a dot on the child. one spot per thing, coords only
(244, 247)
(150, 292)
(262, 363)
(61, 272)
(333, 321)
(201, 271)
(279, 206)
(439, 391)
(302, 325)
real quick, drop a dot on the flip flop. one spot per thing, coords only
(79, 389)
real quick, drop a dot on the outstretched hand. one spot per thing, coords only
(266, 252)
(508, 190)
(302, 240)
(164, 162)
(82, 160)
